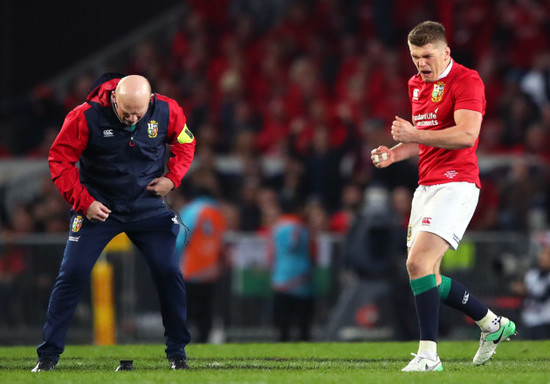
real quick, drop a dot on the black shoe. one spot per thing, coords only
(178, 363)
(45, 364)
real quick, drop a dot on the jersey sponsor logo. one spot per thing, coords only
(426, 221)
(451, 174)
(426, 119)
(77, 223)
(152, 129)
(108, 133)
(416, 94)
(437, 93)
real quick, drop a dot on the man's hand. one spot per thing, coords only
(403, 132)
(161, 186)
(97, 211)
(381, 157)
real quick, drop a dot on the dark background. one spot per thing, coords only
(40, 39)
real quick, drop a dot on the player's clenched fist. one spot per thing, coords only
(381, 157)
(403, 131)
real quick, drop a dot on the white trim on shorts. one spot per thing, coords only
(444, 210)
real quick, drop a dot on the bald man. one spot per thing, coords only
(119, 138)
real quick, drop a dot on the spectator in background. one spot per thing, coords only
(291, 275)
(536, 82)
(13, 264)
(517, 193)
(78, 91)
(352, 201)
(401, 198)
(42, 149)
(486, 215)
(49, 210)
(402, 302)
(42, 111)
(371, 242)
(269, 209)
(316, 218)
(322, 166)
(200, 248)
(535, 289)
(517, 111)
(249, 210)
(290, 181)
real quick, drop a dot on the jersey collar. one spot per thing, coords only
(446, 71)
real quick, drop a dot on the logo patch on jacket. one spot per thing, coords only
(437, 93)
(77, 223)
(152, 129)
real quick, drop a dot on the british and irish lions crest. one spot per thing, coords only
(152, 129)
(77, 223)
(437, 93)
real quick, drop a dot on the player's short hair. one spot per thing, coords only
(427, 32)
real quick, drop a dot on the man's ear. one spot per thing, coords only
(113, 100)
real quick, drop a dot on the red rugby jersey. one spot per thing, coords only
(433, 106)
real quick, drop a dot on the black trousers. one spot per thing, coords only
(290, 310)
(200, 299)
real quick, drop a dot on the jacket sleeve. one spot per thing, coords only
(63, 156)
(182, 145)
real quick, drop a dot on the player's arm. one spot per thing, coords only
(384, 156)
(462, 135)
(63, 156)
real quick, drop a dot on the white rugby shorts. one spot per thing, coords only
(444, 210)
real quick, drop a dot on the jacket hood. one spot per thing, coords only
(100, 90)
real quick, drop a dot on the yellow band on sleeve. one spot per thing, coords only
(185, 136)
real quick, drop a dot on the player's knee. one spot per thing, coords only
(415, 266)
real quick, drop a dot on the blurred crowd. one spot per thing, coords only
(288, 97)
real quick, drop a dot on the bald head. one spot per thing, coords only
(132, 96)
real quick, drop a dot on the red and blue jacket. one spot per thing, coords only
(116, 162)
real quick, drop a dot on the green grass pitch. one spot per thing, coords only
(361, 362)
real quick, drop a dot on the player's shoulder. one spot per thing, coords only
(462, 72)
